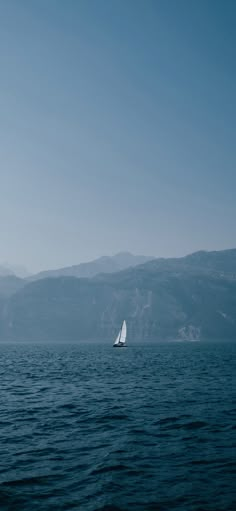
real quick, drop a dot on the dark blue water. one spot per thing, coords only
(87, 427)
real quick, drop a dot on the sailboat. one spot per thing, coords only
(120, 341)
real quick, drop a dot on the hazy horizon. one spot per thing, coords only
(117, 129)
(17, 269)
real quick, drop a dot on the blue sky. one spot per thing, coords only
(117, 128)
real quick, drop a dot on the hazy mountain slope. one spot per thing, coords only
(105, 264)
(9, 285)
(221, 263)
(4, 271)
(17, 270)
(165, 299)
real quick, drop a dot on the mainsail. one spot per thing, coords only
(123, 333)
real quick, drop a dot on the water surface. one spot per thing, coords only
(89, 427)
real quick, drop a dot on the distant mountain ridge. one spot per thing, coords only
(104, 264)
(192, 297)
(18, 270)
(4, 271)
(221, 262)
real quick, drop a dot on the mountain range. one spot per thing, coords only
(104, 264)
(188, 298)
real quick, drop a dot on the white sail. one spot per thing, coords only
(123, 333)
(118, 338)
(121, 337)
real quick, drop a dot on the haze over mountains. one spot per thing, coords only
(17, 270)
(4, 271)
(192, 297)
(105, 264)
